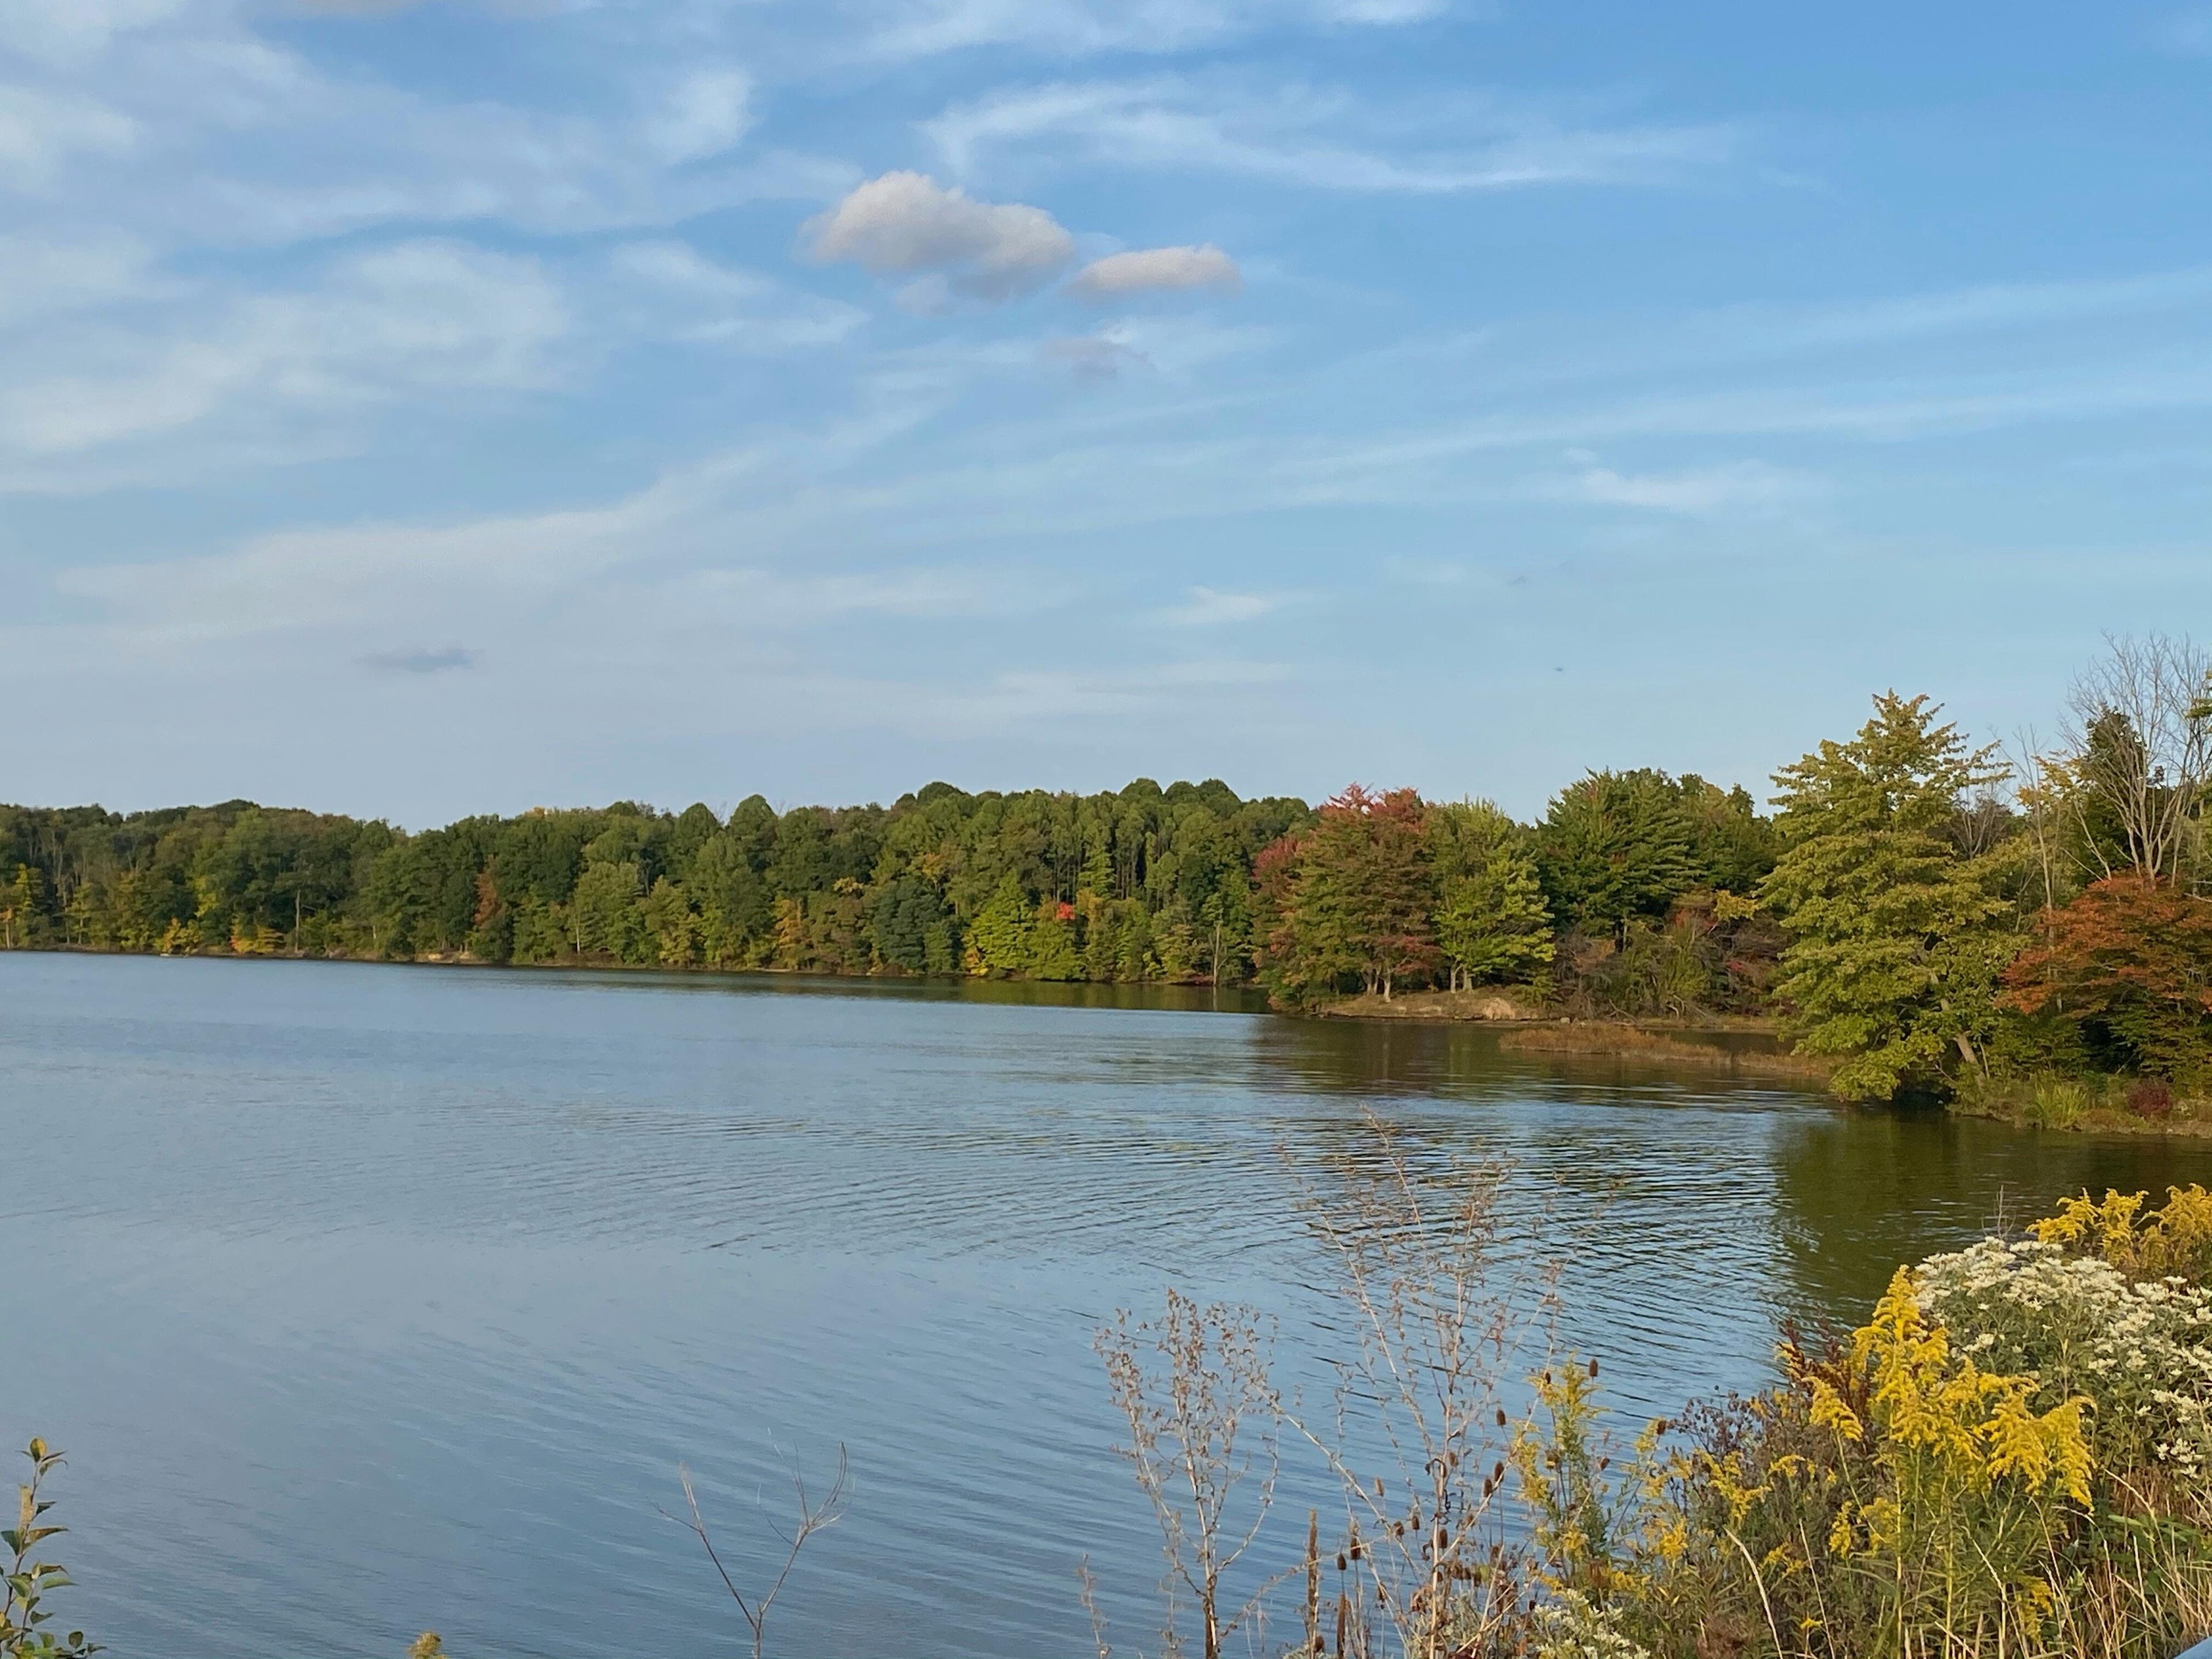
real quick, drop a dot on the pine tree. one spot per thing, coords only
(1896, 938)
(1615, 846)
(1492, 921)
(998, 938)
(1491, 918)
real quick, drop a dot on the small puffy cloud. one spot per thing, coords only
(1207, 607)
(907, 224)
(1156, 271)
(706, 114)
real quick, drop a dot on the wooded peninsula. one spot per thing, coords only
(2026, 931)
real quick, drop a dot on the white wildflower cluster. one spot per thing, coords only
(1572, 1628)
(2141, 1352)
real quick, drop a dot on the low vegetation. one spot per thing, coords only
(2009, 1458)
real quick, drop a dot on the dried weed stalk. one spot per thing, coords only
(813, 1517)
(1443, 1313)
(1203, 1423)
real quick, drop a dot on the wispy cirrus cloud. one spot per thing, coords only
(1210, 607)
(1316, 138)
(908, 28)
(1732, 486)
(676, 292)
(41, 131)
(384, 324)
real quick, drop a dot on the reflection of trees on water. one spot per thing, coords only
(1687, 1230)
(1859, 1192)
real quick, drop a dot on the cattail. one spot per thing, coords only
(1593, 1371)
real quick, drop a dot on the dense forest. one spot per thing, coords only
(1928, 913)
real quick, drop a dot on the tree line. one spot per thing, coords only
(1931, 914)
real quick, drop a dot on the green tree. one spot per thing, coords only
(998, 936)
(673, 924)
(1053, 952)
(1351, 898)
(1491, 918)
(606, 914)
(1614, 846)
(21, 911)
(1897, 936)
(735, 908)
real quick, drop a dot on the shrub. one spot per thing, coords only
(30, 1580)
(2150, 1097)
(2013, 1457)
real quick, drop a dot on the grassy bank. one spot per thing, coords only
(1634, 1042)
(2106, 1105)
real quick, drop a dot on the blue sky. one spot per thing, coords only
(420, 409)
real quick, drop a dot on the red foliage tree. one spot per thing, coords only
(2132, 961)
(1351, 897)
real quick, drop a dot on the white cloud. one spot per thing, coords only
(1314, 138)
(1209, 607)
(259, 145)
(1156, 271)
(382, 324)
(40, 132)
(46, 275)
(684, 295)
(70, 31)
(1093, 357)
(707, 112)
(908, 28)
(1738, 486)
(906, 223)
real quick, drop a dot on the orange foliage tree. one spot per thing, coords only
(2130, 961)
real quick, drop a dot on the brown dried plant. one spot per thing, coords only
(1444, 1312)
(813, 1517)
(1203, 1419)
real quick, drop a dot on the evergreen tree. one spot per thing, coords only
(1491, 918)
(1896, 937)
(998, 936)
(1492, 921)
(1615, 846)
(1052, 944)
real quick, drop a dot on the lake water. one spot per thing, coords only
(368, 1300)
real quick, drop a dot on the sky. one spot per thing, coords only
(418, 410)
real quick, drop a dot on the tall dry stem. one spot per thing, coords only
(813, 1517)
(1202, 1413)
(1444, 1314)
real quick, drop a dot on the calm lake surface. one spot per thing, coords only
(368, 1300)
